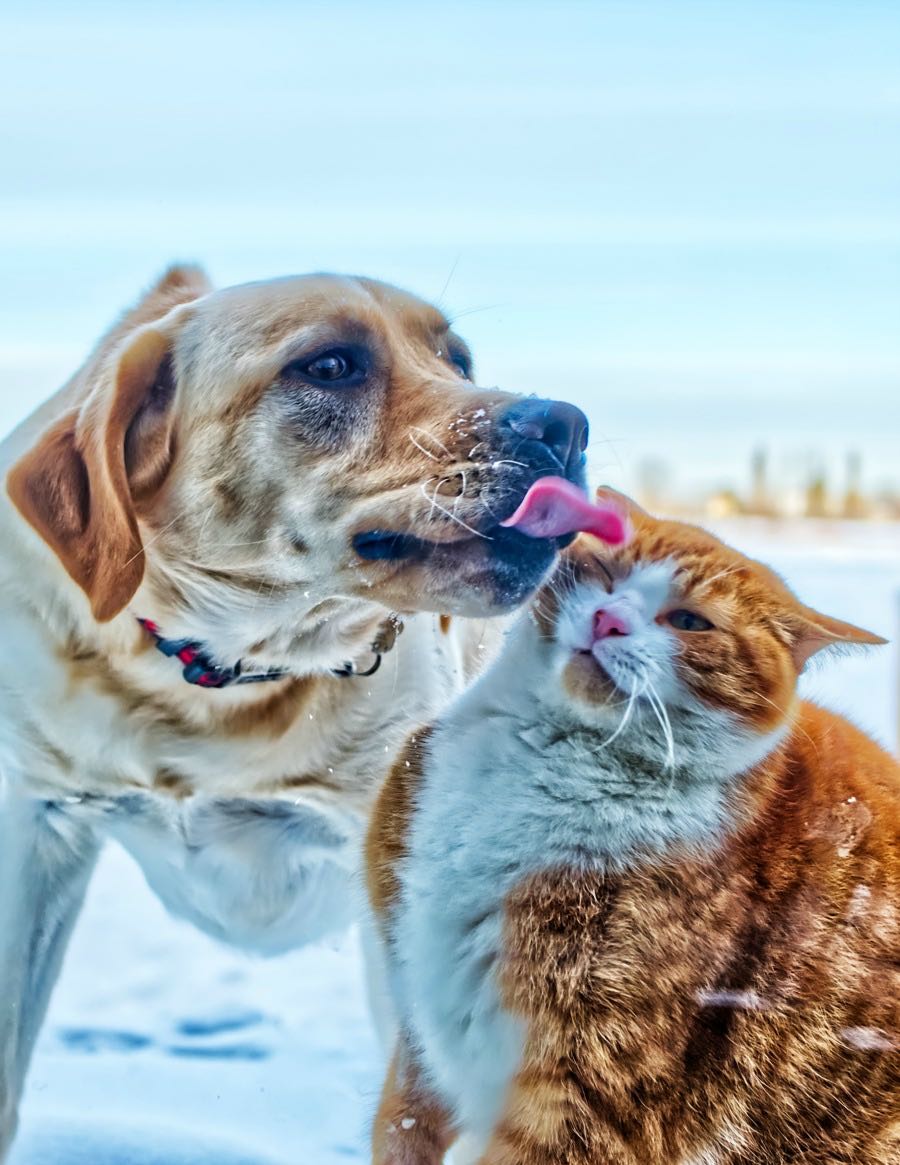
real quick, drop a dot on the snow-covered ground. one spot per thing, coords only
(163, 1048)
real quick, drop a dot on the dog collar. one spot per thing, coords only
(201, 670)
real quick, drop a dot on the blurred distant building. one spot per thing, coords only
(817, 496)
(855, 504)
(761, 501)
(724, 503)
(773, 498)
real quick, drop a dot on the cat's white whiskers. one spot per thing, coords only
(707, 582)
(662, 715)
(626, 715)
(778, 708)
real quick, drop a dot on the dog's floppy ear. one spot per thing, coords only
(79, 484)
(73, 485)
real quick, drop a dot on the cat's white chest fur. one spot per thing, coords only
(449, 930)
(511, 790)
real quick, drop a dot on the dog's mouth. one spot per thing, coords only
(553, 510)
(394, 546)
(494, 566)
(473, 574)
(477, 568)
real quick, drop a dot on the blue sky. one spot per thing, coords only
(684, 216)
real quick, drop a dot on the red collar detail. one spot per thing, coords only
(201, 669)
(199, 666)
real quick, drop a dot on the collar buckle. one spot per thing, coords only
(349, 668)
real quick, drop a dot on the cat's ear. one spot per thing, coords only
(813, 632)
(625, 504)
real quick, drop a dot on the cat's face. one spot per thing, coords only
(676, 626)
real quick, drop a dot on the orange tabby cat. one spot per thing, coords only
(640, 904)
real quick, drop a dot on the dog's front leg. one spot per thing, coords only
(46, 859)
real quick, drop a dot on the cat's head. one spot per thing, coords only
(677, 629)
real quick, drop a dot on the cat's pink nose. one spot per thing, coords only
(607, 624)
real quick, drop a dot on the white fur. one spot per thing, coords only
(729, 1139)
(704, 1157)
(244, 812)
(643, 655)
(262, 866)
(245, 858)
(520, 780)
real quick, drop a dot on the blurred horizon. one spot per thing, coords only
(683, 217)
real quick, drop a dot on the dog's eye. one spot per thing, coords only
(688, 621)
(334, 366)
(330, 367)
(338, 367)
(462, 364)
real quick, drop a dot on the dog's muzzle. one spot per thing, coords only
(537, 431)
(530, 439)
(537, 438)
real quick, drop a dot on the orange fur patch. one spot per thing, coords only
(756, 989)
(740, 1006)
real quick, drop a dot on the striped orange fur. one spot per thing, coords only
(729, 999)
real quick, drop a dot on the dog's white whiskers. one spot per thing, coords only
(431, 437)
(236, 545)
(209, 513)
(473, 311)
(422, 448)
(158, 534)
(449, 278)
(436, 505)
(423, 488)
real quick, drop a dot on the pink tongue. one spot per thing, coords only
(553, 506)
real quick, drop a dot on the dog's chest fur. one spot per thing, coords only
(252, 833)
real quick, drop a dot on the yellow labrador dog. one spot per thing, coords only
(210, 537)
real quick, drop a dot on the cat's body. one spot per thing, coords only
(601, 957)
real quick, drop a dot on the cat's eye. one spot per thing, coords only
(688, 621)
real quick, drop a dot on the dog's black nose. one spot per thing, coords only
(559, 426)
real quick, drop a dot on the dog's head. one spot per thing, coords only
(282, 444)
